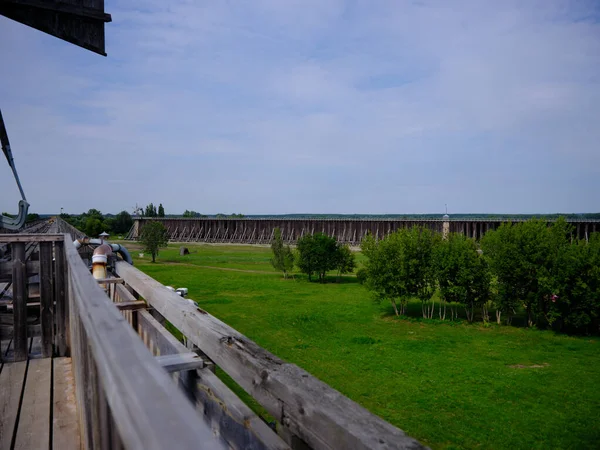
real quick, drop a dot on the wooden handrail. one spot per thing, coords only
(124, 395)
(306, 407)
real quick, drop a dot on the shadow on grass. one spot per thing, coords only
(329, 279)
(414, 313)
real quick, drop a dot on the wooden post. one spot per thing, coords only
(46, 298)
(61, 317)
(19, 281)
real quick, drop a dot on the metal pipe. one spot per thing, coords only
(123, 252)
(99, 260)
(118, 248)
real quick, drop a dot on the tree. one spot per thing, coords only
(161, 210)
(283, 258)
(344, 260)
(32, 217)
(154, 236)
(93, 226)
(93, 213)
(522, 258)
(400, 266)
(316, 255)
(150, 211)
(574, 304)
(462, 275)
(123, 222)
(382, 271)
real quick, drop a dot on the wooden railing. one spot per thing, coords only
(124, 364)
(310, 414)
(44, 301)
(125, 398)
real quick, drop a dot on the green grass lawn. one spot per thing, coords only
(450, 385)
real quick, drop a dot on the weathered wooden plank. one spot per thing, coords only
(47, 297)
(161, 342)
(11, 238)
(12, 379)
(122, 295)
(109, 280)
(60, 291)
(4, 344)
(134, 384)
(130, 306)
(225, 412)
(33, 267)
(35, 347)
(313, 411)
(93, 397)
(233, 418)
(180, 362)
(65, 425)
(33, 431)
(7, 331)
(165, 343)
(19, 302)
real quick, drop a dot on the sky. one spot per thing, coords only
(310, 106)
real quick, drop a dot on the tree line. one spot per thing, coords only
(315, 255)
(93, 222)
(153, 211)
(193, 214)
(543, 271)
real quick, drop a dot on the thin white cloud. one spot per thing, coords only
(320, 106)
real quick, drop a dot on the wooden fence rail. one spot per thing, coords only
(18, 273)
(125, 399)
(311, 413)
(137, 386)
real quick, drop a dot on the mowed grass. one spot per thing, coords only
(450, 385)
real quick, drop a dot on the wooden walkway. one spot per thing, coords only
(37, 401)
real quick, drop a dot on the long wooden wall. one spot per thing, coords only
(350, 231)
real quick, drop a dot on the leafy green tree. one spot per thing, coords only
(93, 226)
(283, 258)
(383, 272)
(574, 305)
(418, 245)
(400, 266)
(123, 222)
(93, 213)
(462, 275)
(150, 211)
(108, 225)
(344, 260)
(522, 257)
(154, 236)
(32, 217)
(161, 210)
(317, 254)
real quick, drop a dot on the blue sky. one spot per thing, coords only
(314, 106)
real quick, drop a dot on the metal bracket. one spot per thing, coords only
(12, 223)
(15, 223)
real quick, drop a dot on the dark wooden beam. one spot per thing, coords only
(180, 362)
(130, 306)
(68, 20)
